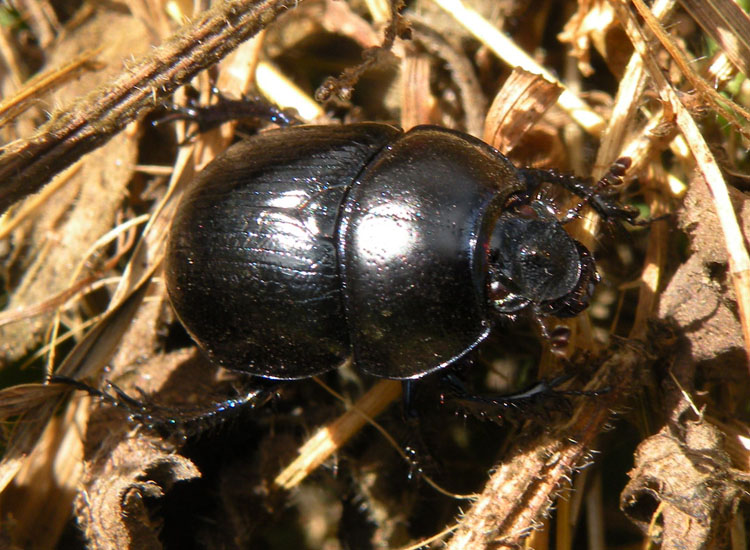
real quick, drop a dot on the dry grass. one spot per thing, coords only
(88, 189)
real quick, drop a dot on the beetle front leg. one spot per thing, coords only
(597, 195)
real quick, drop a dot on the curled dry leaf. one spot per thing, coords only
(683, 489)
(119, 478)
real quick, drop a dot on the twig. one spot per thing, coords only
(26, 165)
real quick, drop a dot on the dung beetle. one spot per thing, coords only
(302, 246)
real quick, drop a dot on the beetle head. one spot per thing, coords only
(535, 263)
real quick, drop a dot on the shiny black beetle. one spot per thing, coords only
(305, 245)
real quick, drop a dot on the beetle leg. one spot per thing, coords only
(78, 385)
(187, 422)
(542, 397)
(207, 117)
(174, 421)
(598, 196)
(408, 391)
(417, 452)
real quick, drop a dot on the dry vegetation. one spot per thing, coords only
(88, 187)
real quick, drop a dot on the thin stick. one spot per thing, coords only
(26, 165)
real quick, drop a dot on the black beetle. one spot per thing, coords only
(304, 245)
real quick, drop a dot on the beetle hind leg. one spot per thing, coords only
(179, 422)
